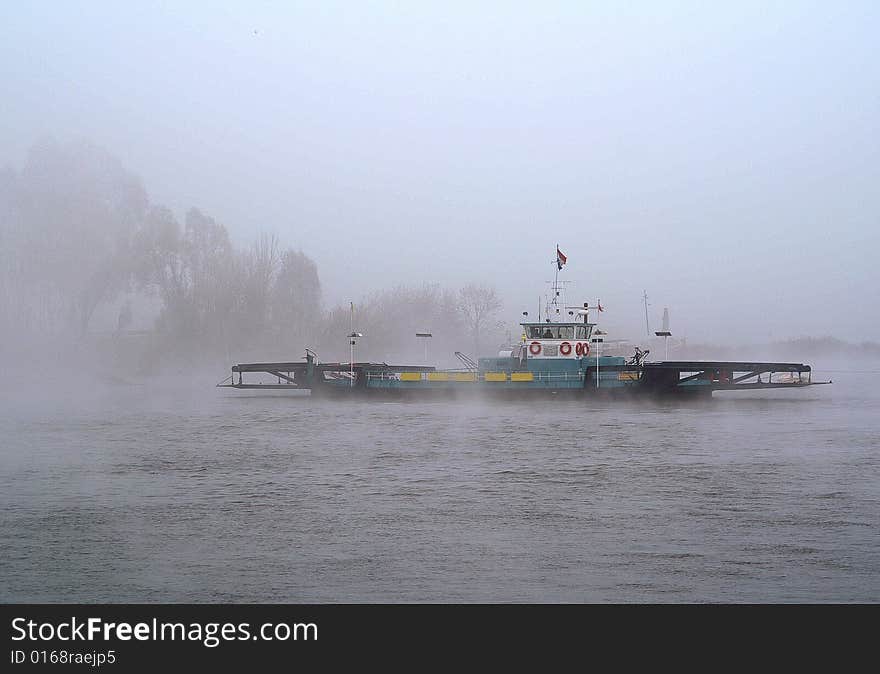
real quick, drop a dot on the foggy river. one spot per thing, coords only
(174, 491)
(184, 188)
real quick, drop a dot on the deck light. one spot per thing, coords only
(425, 336)
(665, 334)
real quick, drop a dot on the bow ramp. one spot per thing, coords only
(693, 376)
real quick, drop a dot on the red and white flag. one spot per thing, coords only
(599, 302)
(560, 258)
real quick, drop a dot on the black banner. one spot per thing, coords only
(119, 637)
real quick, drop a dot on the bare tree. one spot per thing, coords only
(295, 298)
(195, 273)
(478, 305)
(66, 224)
(261, 268)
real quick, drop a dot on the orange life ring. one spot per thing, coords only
(535, 348)
(582, 349)
(565, 348)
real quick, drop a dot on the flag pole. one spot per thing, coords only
(556, 279)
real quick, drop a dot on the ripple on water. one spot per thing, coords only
(187, 496)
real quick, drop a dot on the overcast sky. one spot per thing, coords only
(723, 156)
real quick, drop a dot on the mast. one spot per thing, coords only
(352, 338)
(556, 278)
(351, 344)
(558, 288)
(647, 329)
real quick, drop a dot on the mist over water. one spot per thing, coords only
(722, 157)
(185, 187)
(177, 492)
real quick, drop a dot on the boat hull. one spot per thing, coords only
(512, 378)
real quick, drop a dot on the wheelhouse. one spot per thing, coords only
(557, 340)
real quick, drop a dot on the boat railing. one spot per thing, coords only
(488, 376)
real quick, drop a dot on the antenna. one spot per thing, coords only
(647, 327)
(556, 301)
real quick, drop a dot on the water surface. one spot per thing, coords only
(174, 491)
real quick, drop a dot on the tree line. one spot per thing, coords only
(78, 232)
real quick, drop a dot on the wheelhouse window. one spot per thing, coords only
(535, 332)
(554, 331)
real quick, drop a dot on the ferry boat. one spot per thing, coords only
(559, 354)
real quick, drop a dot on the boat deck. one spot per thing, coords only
(588, 375)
